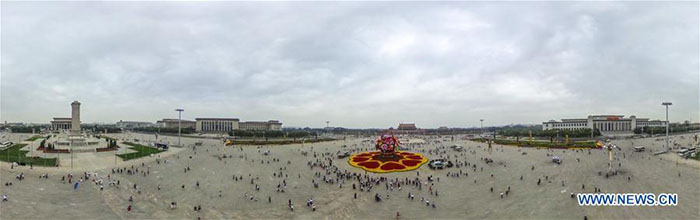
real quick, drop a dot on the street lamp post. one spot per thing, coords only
(482, 126)
(31, 148)
(179, 124)
(8, 151)
(667, 104)
(71, 154)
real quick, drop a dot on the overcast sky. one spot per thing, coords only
(356, 64)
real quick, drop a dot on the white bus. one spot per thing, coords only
(5, 145)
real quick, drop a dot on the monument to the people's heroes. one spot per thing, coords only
(75, 118)
(75, 137)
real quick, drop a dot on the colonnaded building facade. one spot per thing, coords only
(604, 123)
(222, 125)
(61, 123)
(65, 123)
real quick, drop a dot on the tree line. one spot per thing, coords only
(165, 130)
(26, 129)
(525, 132)
(101, 128)
(272, 134)
(672, 128)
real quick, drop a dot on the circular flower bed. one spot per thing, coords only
(378, 162)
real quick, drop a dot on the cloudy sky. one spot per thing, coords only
(356, 64)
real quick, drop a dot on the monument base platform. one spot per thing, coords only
(83, 150)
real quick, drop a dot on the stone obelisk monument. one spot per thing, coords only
(75, 118)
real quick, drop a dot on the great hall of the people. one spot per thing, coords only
(604, 123)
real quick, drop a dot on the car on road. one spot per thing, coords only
(440, 164)
(343, 155)
(556, 159)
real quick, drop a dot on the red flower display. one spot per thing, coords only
(378, 162)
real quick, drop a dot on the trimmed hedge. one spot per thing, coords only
(527, 143)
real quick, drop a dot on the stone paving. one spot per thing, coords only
(463, 197)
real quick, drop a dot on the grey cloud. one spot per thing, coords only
(356, 64)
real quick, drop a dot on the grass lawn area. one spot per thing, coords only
(33, 138)
(141, 151)
(14, 154)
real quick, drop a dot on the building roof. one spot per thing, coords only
(218, 119)
(62, 119)
(254, 122)
(173, 120)
(407, 126)
(575, 119)
(600, 118)
(263, 122)
(607, 115)
(136, 122)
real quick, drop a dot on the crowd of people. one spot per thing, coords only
(271, 178)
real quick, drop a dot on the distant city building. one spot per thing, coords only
(216, 125)
(407, 127)
(12, 124)
(222, 125)
(604, 123)
(134, 124)
(173, 123)
(694, 125)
